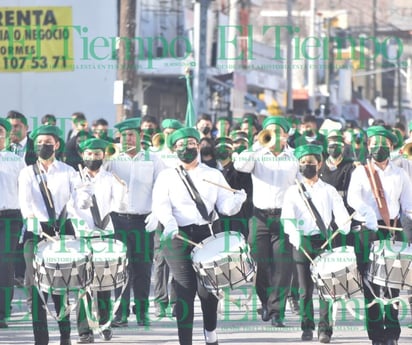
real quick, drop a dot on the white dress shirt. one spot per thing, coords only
(110, 194)
(10, 167)
(168, 157)
(397, 188)
(139, 173)
(60, 179)
(173, 205)
(271, 175)
(297, 218)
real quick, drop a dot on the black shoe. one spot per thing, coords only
(307, 335)
(391, 342)
(143, 320)
(324, 338)
(277, 322)
(119, 322)
(214, 343)
(377, 342)
(86, 338)
(65, 342)
(3, 324)
(265, 313)
(107, 334)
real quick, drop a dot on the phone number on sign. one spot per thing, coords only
(37, 62)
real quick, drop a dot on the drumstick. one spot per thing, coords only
(375, 188)
(119, 179)
(44, 185)
(389, 228)
(221, 186)
(180, 237)
(48, 237)
(337, 232)
(307, 255)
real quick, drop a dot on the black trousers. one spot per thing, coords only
(381, 321)
(271, 250)
(130, 229)
(177, 254)
(10, 226)
(312, 246)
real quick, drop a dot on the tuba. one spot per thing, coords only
(112, 151)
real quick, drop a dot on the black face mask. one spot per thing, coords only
(308, 170)
(309, 133)
(205, 130)
(240, 148)
(207, 151)
(45, 151)
(380, 153)
(334, 151)
(222, 155)
(93, 165)
(187, 155)
(210, 163)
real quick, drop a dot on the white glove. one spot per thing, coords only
(84, 200)
(34, 226)
(240, 196)
(371, 222)
(295, 239)
(169, 233)
(86, 187)
(152, 223)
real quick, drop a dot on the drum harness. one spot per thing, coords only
(200, 205)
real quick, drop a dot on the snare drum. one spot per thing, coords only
(109, 264)
(390, 264)
(62, 265)
(336, 274)
(223, 261)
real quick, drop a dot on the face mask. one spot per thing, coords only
(222, 155)
(380, 153)
(308, 171)
(334, 151)
(45, 151)
(211, 163)
(187, 155)
(309, 133)
(207, 151)
(240, 148)
(205, 130)
(93, 165)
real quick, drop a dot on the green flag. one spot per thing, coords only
(190, 120)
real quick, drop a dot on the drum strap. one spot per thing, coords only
(187, 181)
(45, 192)
(378, 192)
(312, 208)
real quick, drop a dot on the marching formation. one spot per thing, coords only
(281, 204)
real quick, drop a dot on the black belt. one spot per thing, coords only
(194, 227)
(10, 213)
(269, 211)
(130, 215)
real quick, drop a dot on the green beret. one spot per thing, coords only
(239, 135)
(6, 124)
(93, 144)
(308, 149)
(382, 131)
(224, 141)
(46, 130)
(277, 120)
(171, 123)
(132, 123)
(186, 132)
(335, 134)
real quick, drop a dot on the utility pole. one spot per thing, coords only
(312, 51)
(200, 46)
(372, 53)
(126, 60)
(289, 92)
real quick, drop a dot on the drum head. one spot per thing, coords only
(107, 250)
(218, 247)
(334, 262)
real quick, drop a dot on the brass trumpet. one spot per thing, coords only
(266, 138)
(112, 151)
(406, 150)
(158, 140)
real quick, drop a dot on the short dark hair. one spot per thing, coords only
(46, 119)
(309, 118)
(204, 116)
(78, 116)
(101, 122)
(149, 118)
(13, 114)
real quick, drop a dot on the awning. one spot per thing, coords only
(300, 95)
(366, 109)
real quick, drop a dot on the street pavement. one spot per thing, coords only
(238, 323)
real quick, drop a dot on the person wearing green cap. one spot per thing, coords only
(97, 193)
(45, 188)
(378, 201)
(139, 169)
(306, 232)
(181, 215)
(273, 168)
(10, 220)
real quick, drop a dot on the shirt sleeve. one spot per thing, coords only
(227, 202)
(340, 212)
(355, 199)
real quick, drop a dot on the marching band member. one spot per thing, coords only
(10, 219)
(273, 170)
(139, 169)
(305, 232)
(183, 214)
(96, 195)
(44, 190)
(378, 192)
